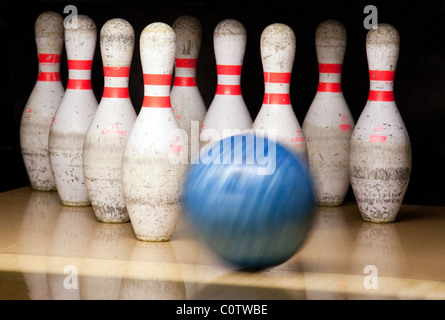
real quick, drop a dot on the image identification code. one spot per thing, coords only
(225, 309)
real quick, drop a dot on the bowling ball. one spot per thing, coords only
(250, 200)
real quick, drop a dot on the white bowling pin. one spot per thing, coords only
(186, 100)
(43, 102)
(228, 113)
(74, 114)
(380, 151)
(328, 124)
(276, 115)
(108, 131)
(151, 174)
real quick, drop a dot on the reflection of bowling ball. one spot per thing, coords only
(232, 286)
(250, 200)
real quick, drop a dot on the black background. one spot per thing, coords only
(419, 82)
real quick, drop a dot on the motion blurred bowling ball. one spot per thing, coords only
(250, 200)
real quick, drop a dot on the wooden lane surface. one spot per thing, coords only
(48, 251)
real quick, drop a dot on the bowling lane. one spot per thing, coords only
(49, 251)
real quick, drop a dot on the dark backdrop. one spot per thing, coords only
(419, 82)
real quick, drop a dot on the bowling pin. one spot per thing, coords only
(43, 102)
(380, 151)
(109, 129)
(73, 117)
(328, 124)
(151, 172)
(276, 115)
(186, 100)
(228, 113)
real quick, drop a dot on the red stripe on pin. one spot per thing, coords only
(374, 139)
(157, 79)
(176, 148)
(79, 84)
(119, 72)
(185, 82)
(48, 76)
(330, 67)
(230, 70)
(186, 63)
(345, 127)
(277, 77)
(375, 95)
(110, 92)
(379, 75)
(228, 89)
(156, 102)
(329, 87)
(49, 58)
(80, 64)
(276, 98)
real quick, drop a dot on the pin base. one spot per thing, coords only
(153, 239)
(330, 204)
(44, 189)
(76, 204)
(112, 221)
(378, 221)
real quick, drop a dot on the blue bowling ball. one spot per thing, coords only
(250, 200)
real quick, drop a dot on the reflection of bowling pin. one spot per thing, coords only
(153, 274)
(35, 234)
(108, 242)
(228, 113)
(380, 151)
(276, 113)
(328, 124)
(70, 240)
(151, 174)
(186, 100)
(43, 102)
(324, 253)
(108, 132)
(378, 253)
(74, 114)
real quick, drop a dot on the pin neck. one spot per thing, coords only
(49, 67)
(229, 80)
(79, 74)
(157, 90)
(185, 72)
(381, 85)
(330, 77)
(276, 88)
(116, 82)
